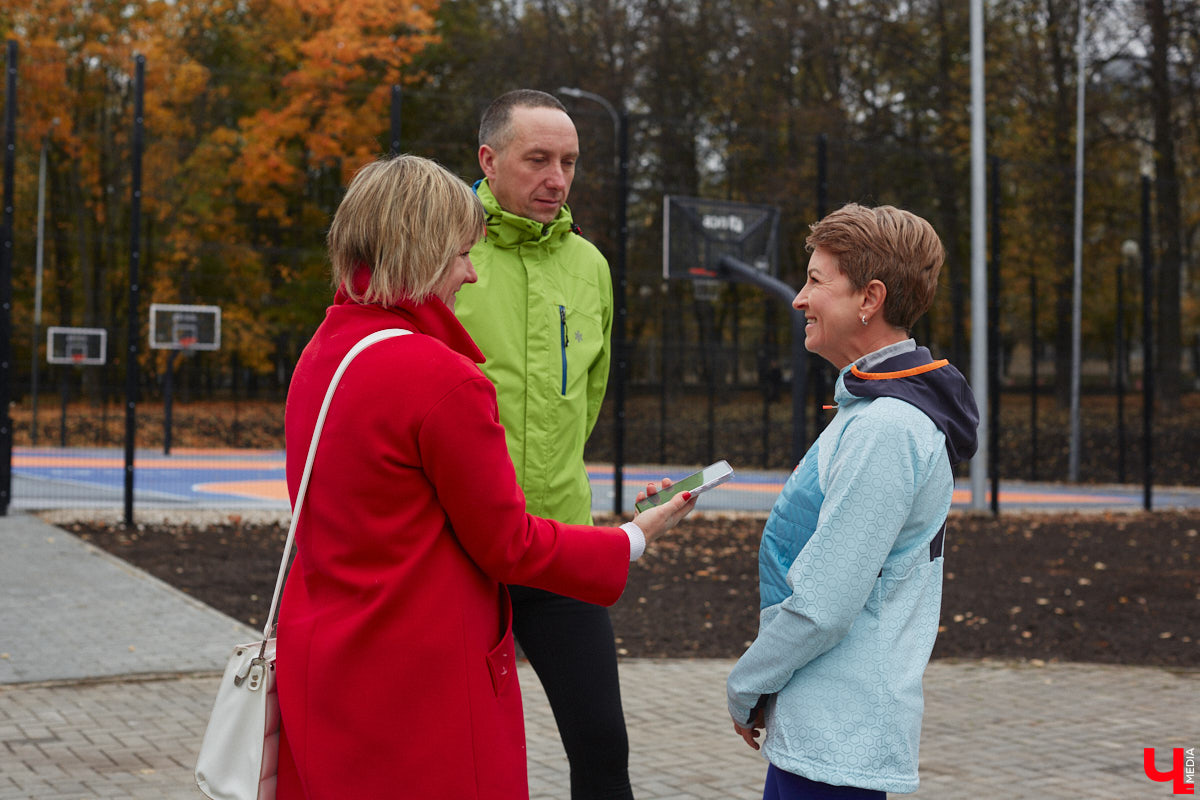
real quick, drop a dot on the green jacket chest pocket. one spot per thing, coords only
(578, 343)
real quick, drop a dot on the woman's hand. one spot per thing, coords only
(661, 519)
(750, 732)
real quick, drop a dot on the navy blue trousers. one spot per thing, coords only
(783, 785)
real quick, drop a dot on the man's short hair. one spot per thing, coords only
(495, 128)
(887, 244)
(403, 218)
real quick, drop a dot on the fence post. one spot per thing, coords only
(395, 119)
(1129, 252)
(135, 223)
(1147, 349)
(6, 256)
(1034, 343)
(994, 349)
(815, 364)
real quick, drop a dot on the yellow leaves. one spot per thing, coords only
(255, 113)
(189, 81)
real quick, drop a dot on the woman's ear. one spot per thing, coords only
(873, 296)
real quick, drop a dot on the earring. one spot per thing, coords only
(864, 319)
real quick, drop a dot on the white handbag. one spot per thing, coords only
(239, 756)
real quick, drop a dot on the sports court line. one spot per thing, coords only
(205, 477)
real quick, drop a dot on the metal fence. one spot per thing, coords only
(709, 367)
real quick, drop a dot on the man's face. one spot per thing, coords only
(531, 176)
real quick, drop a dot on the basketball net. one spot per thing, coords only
(706, 290)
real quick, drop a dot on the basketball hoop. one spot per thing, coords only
(189, 328)
(79, 347)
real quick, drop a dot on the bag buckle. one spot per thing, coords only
(254, 671)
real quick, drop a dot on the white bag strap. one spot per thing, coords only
(363, 344)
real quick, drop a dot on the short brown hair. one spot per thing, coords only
(888, 244)
(404, 218)
(495, 128)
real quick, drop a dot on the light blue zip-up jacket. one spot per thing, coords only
(850, 574)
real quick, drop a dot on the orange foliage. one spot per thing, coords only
(243, 99)
(337, 62)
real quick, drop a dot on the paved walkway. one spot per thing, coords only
(107, 676)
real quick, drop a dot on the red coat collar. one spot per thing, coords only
(432, 318)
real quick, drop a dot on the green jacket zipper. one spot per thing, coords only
(562, 319)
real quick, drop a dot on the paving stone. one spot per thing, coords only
(121, 722)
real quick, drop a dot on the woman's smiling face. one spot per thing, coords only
(831, 310)
(460, 270)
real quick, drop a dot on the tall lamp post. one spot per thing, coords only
(37, 292)
(621, 137)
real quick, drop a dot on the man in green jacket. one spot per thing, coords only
(542, 313)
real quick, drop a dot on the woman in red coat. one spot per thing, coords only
(396, 672)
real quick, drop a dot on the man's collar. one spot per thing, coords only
(510, 228)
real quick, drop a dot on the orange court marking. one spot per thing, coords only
(165, 462)
(745, 486)
(964, 496)
(257, 490)
(224, 451)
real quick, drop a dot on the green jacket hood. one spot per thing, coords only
(505, 229)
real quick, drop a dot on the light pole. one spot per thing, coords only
(979, 347)
(37, 292)
(621, 138)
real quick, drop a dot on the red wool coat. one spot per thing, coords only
(396, 674)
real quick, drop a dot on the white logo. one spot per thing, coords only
(730, 222)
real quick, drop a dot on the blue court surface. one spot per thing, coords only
(53, 478)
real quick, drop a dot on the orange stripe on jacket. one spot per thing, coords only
(904, 373)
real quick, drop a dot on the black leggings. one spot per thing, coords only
(570, 645)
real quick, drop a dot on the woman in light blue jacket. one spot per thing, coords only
(850, 566)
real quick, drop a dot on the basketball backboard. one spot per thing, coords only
(80, 346)
(697, 233)
(184, 327)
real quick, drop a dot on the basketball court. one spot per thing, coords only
(54, 478)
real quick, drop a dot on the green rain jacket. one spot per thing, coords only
(542, 313)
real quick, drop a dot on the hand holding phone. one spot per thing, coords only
(697, 482)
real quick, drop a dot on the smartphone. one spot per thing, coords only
(695, 483)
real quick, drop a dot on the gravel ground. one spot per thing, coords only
(1116, 588)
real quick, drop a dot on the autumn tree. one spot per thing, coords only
(259, 110)
(256, 115)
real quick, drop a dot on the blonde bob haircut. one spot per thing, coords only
(404, 218)
(887, 244)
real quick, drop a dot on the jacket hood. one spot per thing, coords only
(506, 229)
(935, 387)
